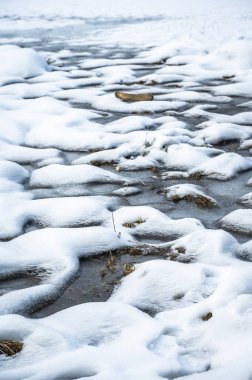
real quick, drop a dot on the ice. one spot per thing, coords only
(86, 178)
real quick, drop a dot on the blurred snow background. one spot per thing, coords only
(145, 22)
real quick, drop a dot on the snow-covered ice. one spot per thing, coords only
(84, 173)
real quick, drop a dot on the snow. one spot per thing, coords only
(196, 246)
(238, 220)
(58, 175)
(246, 199)
(216, 133)
(114, 320)
(84, 173)
(53, 212)
(183, 191)
(57, 252)
(129, 190)
(30, 63)
(13, 172)
(224, 166)
(157, 286)
(150, 222)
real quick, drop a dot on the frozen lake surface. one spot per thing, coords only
(125, 237)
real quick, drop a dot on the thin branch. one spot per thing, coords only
(113, 221)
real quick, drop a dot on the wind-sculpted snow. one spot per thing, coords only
(85, 173)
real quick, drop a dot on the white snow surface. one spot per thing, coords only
(182, 191)
(69, 150)
(240, 220)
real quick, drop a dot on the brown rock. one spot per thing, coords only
(129, 97)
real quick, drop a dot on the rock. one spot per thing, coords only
(129, 97)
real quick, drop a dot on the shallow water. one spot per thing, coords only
(95, 281)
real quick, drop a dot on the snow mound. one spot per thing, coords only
(246, 199)
(238, 221)
(144, 221)
(51, 212)
(157, 285)
(224, 166)
(191, 193)
(195, 247)
(30, 63)
(58, 175)
(93, 329)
